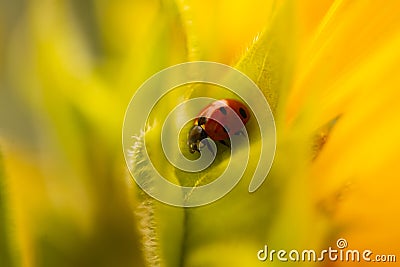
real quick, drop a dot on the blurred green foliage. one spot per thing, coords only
(68, 70)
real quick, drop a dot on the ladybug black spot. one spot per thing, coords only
(201, 121)
(243, 113)
(223, 110)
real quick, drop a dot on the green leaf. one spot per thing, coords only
(269, 61)
(230, 231)
(161, 225)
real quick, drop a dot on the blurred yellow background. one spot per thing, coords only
(68, 69)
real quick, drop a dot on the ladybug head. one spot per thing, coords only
(196, 134)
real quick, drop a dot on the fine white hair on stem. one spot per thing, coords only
(145, 211)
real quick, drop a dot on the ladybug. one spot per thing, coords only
(206, 125)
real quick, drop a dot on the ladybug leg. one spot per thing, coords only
(224, 143)
(210, 147)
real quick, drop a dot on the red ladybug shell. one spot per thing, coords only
(218, 111)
